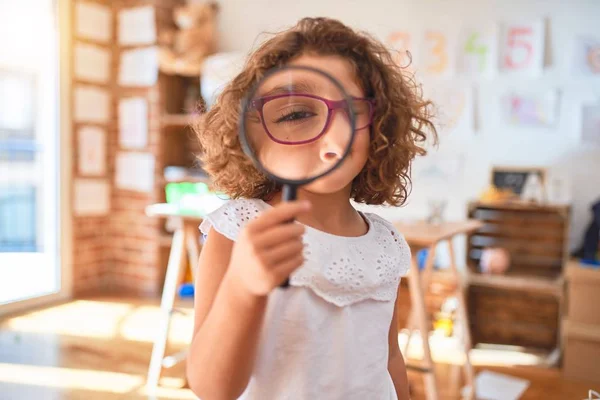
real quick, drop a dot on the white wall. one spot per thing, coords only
(242, 24)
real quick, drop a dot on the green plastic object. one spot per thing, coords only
(177, 191)
(193, 198)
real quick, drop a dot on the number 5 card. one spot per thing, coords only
(522, 47)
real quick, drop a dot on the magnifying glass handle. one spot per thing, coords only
(289, 193)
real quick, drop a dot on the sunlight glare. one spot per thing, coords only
(79, 318)
(56, 377)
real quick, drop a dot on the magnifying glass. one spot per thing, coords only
(297, 125)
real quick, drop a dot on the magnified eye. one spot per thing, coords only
(294, 116)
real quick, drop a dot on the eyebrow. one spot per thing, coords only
(298, 86)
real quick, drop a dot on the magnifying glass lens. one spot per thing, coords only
(298, 124)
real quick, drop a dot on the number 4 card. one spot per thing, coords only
(478, 50)
(522, 47)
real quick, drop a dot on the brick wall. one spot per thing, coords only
(121, 251)
(90, 233)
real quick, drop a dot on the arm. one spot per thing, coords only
(226, 326)
(396, 365)
(233, 282)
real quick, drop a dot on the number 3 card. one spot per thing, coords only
(522, 47)
(437, 53)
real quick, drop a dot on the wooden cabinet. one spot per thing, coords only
(581, 327)
(523, 306)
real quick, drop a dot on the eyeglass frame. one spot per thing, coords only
(259, 103)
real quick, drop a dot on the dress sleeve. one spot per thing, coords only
(230, 218)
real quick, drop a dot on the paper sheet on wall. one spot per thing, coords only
(586, 60)
(137, 26)
(559, 187)
(91, 197)
(92, 63)
(478, 51)
(135, 171)
(93, 21)
(454, 109)
(590, 124)
(91, 104)
(522, 47)
(92, 151)
(139, 67)
(531, 109)
(441, 166)
(133, 123)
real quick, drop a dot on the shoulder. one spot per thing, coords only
(383, 226)
(392, 240)
(231, 217)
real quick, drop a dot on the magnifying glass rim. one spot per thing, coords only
(244, 139)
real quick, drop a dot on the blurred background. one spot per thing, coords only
(101, 193)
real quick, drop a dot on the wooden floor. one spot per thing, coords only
(99, 348)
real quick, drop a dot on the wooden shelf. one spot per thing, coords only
(530, 283)
(583, 331)
(519, 206)
(181, 120)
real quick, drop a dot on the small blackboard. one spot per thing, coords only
(514, 178)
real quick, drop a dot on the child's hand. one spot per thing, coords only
(268, 249)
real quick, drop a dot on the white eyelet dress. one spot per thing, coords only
(326, 336)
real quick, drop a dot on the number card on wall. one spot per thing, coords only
(400, 42)
(437, 53)
(587, 56)
(522, 47)
(478, 51)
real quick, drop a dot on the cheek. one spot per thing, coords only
(360, 148)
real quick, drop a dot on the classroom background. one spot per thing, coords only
(101, 191)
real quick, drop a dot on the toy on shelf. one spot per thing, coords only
(183, 50)
(494, 194)
(494, 260)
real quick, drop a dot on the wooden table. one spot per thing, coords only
(186, 241)
(422, 235)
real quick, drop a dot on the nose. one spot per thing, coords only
(336, 138)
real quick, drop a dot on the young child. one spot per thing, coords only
(332, 334)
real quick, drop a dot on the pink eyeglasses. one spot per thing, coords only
(297, 118)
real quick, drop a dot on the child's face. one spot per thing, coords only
(332, 144)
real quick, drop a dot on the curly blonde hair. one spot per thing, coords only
(401, 122)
